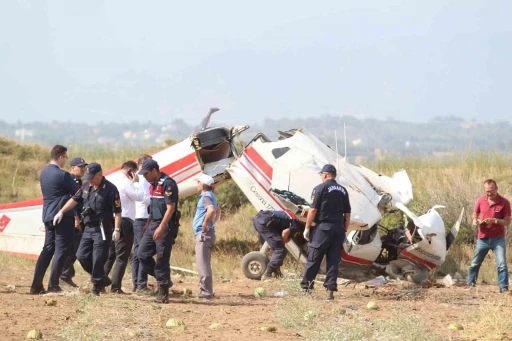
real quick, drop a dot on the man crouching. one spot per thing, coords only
(276, 227)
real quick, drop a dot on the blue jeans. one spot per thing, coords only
(139, 275)
(498, 247)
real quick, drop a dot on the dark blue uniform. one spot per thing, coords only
(57, 186)
(332, 202)
(163, 192)
(99, 206)
(271, 224)
(69, 270)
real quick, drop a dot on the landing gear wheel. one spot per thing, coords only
(254, 265)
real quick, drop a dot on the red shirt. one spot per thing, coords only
(498, 210)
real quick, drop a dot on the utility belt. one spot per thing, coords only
(126, 218)
(331, 221)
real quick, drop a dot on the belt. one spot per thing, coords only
(92, 224)
(129, 219)
(141, 219)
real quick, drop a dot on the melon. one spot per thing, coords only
(372, 306)
(34, 334)
(455, 326)
(187, 292)
(171, 323)
(259, 292)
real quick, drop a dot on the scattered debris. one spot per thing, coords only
(178, 269)
(225, 280)
(187, 292)
(268, 329)
(215, 326)
(10, 287)
(375, 282)
(281, 293)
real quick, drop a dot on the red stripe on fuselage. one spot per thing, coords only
(256, 158)
(351, 259)
(179, 165)
(412, 257)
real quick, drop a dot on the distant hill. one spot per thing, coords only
(367, 139)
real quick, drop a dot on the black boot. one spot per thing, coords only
(163, 295)
(268, 274)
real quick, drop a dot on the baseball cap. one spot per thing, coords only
(91, 170)
(77, 161)
(205, 179)
(148, 165)
(328, 168)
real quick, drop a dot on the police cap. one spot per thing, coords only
(148, 165)
(78, 161)
(91, 170)
(328, 168)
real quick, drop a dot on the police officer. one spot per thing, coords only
(330, 211)
(276, 227)
(162, 227)
(77, 172)
(100, 199)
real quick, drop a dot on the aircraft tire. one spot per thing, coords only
(254, 265)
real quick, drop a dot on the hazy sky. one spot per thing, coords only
(111, 60)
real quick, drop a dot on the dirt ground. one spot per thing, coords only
(79, 316)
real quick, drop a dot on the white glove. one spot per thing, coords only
(116, 235)
(57, 218)
(306, 234)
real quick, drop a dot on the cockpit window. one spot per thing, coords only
(278, 152)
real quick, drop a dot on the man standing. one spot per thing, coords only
(77, 171)
(207, 213)
(491, 214)
(100, 199)
(330, 210)
(276, 227)
(139, 276)
(121, 246)
(57, 186)
(162, 229)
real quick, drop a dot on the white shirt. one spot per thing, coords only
(141, 206)
(129, 192)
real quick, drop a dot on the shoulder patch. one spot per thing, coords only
(168, 192)
(117, 202)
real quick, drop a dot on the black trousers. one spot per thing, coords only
(57, 241)
(92, 253)
(119, 253)
(326, 240)
(69, 268)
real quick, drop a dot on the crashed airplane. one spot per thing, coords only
(277, 175)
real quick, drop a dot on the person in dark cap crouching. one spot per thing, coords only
(276, 227)
(330, 211)
(100, 199)
(77, 172)
(161, 228)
